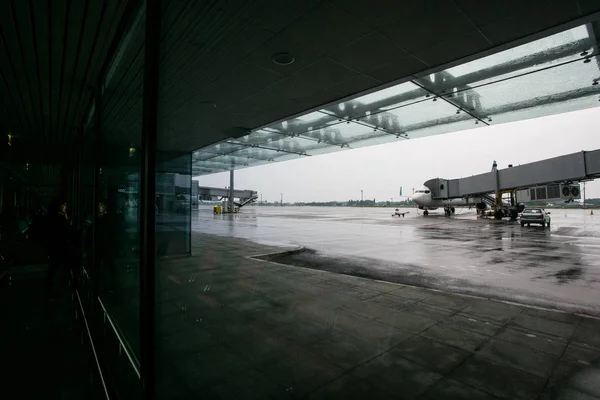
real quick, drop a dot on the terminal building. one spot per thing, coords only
(112, 107)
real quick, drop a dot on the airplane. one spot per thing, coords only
(423, 200)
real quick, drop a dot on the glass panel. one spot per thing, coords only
(118, 222)
(563, 88)
(86, 213)
(381, 100)
(534, 56)
(173, 203)
(418, 116)
(216, 149)
(376, 138)
(446, 127)
(174, 266)
(305, 123)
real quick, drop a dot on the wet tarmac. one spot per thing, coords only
(557, 267)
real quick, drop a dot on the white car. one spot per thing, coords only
(535, 216)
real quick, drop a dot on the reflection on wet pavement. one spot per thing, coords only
(556, 267)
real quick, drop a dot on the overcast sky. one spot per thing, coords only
(381, 170)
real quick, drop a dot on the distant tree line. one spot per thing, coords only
(356, 203)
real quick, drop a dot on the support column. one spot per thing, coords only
(96, 194)
(150, 111)
(231, 172)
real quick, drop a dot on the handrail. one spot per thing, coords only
(87, 327)
(124, 344)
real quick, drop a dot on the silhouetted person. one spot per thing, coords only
(106, 241)
(108, 232)
(58, 231)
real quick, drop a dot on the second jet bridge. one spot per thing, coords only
(584, 165)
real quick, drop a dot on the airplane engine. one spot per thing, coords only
(481, 206)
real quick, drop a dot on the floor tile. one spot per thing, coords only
(305, 332)
(450, 389)
(345, 351)
(348, 388)
(447, 301)
(301, 372)
(587, 336)
(580, 355)
(587, 381)
(523, 358)
(533, 340)
(367, 309)
(432, 313)
(393, 302)
(206, 366)
(546, 326)
(414, 293)
(472, 324)
(493, 311)
(499, 380)
(395, 374)
(553, 315)
(249, 384)
(406, 321)
(380, 335)
(465, 340)
(434, 355)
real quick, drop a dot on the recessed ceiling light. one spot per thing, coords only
(283, 58)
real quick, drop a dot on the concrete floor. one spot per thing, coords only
(555, 268)
(231, 326)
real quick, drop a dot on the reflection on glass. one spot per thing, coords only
(173, 204)
(118, 221)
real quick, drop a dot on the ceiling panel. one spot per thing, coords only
(455, 46)
(314, 28)
(356, 84)
(494, 18)
(368, 53)
(427, 26)
(380, 13)
(326, 73)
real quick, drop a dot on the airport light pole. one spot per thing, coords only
(282, 199)
(361, 197)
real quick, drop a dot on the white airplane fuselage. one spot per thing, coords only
(423, 200)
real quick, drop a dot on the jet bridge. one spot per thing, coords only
(211, 193)
(576, 167)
